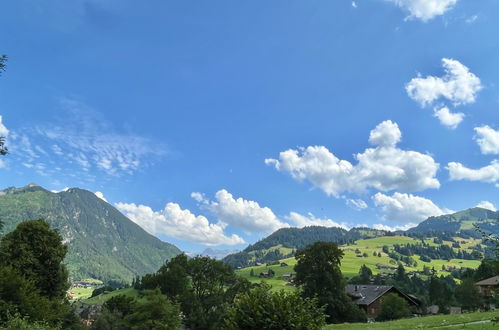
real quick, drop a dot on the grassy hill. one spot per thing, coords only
(353, 260)
(102, 242)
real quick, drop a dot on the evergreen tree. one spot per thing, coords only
(393, 307)
(468, 296)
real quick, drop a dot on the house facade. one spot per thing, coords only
(488, 287)
(370, 297)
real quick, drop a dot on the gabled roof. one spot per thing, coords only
(489, 281)
(367, 294)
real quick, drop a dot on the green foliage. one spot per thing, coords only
(37, 252)
(23, 323)
(393, 307)
(102, 289)
(85, 220)
(126, 313)
(261, 309)
(203, 287)
(468, 296)
(318, 274)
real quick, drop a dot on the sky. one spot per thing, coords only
(215, 123)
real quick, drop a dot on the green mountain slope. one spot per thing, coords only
(461, 222)
(103, 243)
(283, 243)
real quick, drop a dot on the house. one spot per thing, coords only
(287, 276)
(488, 287)
(283, 264)
(369, 297)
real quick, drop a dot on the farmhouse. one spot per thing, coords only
(489, 286)
(369, 297)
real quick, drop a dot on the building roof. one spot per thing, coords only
(367, 294)
(489, 281)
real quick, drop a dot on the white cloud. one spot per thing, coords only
(425, 9)
(357, 204)
(385, 227)
(471, 19)
(487, 205)
(177, 223)
(458, 85)
(101, 196)
(3, 130)
(62, 190)
(384, 167)
(406, 208)
(488, 140)
(489, 173)
(386, 134)
(301, 221)
(245, 214)
(85, 139)
(448, 118)
(354, 4)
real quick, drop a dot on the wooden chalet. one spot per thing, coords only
(369, 297)
(488, 287)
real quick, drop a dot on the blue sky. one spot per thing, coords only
(215, 123)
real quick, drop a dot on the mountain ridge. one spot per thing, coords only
(102, 242)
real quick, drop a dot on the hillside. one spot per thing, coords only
(461, 222)
(284, 242)
(372, 253)
(103, 243)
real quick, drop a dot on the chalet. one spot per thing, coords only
(264, 274)
(489, 286)
(283, 264)
(369, 297)
(287, 276)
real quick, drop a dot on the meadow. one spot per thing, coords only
(353, 260)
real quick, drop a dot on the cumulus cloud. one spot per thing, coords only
(489, 173)
(241, 213)
(487, 205)
(458, 85)
(487, 139)
(62, 190)
(3, 130)
(406, 208)
(385, 227)
(425, 9)
(301, 221)
(448, 118)
(101, 196)
(178, 223)
(384, 167)
(354, 4)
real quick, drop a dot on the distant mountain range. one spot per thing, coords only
(284, 242)
(102, 243)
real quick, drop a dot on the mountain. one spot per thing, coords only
(217, 254)
(284, 242)
(102, 243)
(461, 222)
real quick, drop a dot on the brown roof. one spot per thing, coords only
(489, 281)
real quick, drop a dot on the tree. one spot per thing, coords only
(3, 60)
(37, 253)
(157, 313)
(467, 295)
(393, 307)
(318, 274)
(262, 309)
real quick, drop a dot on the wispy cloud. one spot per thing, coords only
(83, 139)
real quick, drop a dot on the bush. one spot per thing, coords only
(393, 307)
(265, 310)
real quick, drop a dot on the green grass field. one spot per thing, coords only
(102, 298)
(80, 293)
(458, 321)
(351, 262)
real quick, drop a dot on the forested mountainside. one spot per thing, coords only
(102, 242)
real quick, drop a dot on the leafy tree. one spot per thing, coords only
(262, 309)
(157, 313)
(440, 293)
(467, 295)
(393, 307)
(102, 289)
(252, 272)
(18, 322)
(488, 268)
(318, 274)
(37, 253)
(364, 277)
